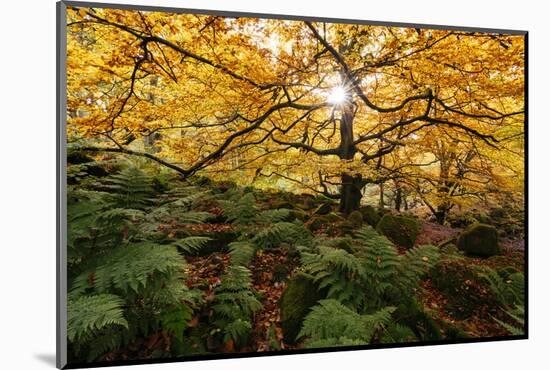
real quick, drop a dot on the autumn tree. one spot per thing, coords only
(326, 107)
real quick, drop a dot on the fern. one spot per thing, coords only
(241, 252)
(273, 215)
(234, 297)
(192, 244)
(242, 211)
(89, 314)
(518, 315)
(333, 342)
(130, 268)
(237, 330)
(330, 320)
(510, 291)
(381, 263)
(414, 265)
(396, 333)
(340, 272)
(175, 320)
(234, 303)
(106, 340)
(275, 234)
(130, 188)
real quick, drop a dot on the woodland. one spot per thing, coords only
(250, 185)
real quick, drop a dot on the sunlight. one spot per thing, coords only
(337, 95)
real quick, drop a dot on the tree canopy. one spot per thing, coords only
(308, 106)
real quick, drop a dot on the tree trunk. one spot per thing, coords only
(350, 195)
(350, 198)
(398, 199)
(381, 200)
(441, 213)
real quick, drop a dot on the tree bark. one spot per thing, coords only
(398, 198)
(381, 200)
(350, 198)
(350, 195)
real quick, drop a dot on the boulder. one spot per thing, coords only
(308, 203)
(355, 219)
(317, 222)
(400, 230)
(323, 209)
(479, 240)
(412, 315)
(462, 286)
(299, 296)
(370, 215)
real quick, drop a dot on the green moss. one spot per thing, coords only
(280, 272)
(370, 215)
(355, 219)
(299, 215)
(400, 230)
(323, 209)
(300, 295)
(464, 289)
(479, 240)
(331, 219)
(412, 315)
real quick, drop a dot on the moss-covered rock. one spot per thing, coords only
(412, 315)
(479, 240)
(308, 203)
(461, 284)
(330, 220)
(355, 219)
(298, 214)
(300, 295)
(316, 223)
(323, 209)
(370, 215)
(280, 272)
(333, 217)
(400, 230)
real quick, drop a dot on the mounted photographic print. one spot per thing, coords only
(235, 184)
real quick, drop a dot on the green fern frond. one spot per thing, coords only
(175, 320)
(241, 252)
(234, 297)
(508, 291)
(333, 342)
(271, 216)
(106, 340)
(130, 188)
(414, 265)
(237, 330)
(192, 244)
(338, 271)
(273, 235)
(242, 211)
(380, 257)
(518, 315)
(332, 320)
(130, 268)
(88, 314)
(396, 333)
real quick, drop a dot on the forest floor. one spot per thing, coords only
(205, 272)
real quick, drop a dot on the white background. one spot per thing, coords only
(27, 181)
